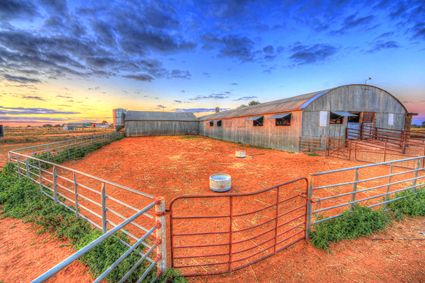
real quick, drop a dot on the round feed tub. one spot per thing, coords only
(220, 182)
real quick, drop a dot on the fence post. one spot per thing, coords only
(356, 179)
(309, 207)
(415, 180)
(276, 220)
(76, 195)
(27, 166)
(104, 220)
(387, 195)
(41, 176)
(229, 269)
(18, 167)
(161, 236)
(55, 189)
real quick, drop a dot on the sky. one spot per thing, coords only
(64, 61)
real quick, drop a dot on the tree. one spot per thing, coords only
(104, 122)
(423, 124)
(253, 102)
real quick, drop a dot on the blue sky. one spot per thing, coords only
(77, 60)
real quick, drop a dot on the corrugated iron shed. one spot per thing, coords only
(159, 116)
(272, 107)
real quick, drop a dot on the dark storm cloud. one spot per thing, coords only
(20, 79)
(383, 45)
(211, 96)
(63, 46)
(309, 54)
(32, 111)
(233, 46)
(16, 8)
(246, 98)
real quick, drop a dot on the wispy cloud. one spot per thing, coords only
(20, 79)
(309, 54)
(33, 97)
(245, 98)
(211, 96)
(32, 111)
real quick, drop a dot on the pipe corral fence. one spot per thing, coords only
(220, 233)
(138, 215)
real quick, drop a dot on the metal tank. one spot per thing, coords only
(119, 116)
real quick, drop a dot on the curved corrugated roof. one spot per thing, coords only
(159, 116)
(282, 105)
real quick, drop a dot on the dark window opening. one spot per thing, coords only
(336, 119)
(284, 121)
(211, 123)
(219, 123)
(354, 119)
(368, 117)
(259, 122)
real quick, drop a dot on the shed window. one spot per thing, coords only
(219, 122)
(284, 121)
(258, 122)
(211, 123)
(336, 119)
(354, 119)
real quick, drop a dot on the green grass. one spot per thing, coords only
(20, 198)
(363, 221)
(412, 204)
(313, 154)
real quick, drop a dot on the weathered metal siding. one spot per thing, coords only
(355, 98)
(161, 128)
(269, 135)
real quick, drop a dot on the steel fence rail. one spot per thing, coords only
(98, 200)
(54, 270)
(374, 192)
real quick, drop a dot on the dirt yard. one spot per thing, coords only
(24, 254)
(173, 166)
(395, 255)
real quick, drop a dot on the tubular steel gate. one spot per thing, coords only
(108, 206)
(215, 234)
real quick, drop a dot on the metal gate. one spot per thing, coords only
(221, 233)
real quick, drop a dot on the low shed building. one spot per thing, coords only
(308, 119)
(151, 123)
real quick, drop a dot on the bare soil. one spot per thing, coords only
(394, 255)
(25, 254)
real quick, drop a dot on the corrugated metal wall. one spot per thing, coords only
(161, 128)
(354, 98)
(241, 130)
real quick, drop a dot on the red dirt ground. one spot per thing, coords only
(174, 166)
(394, 255)
(24, 254)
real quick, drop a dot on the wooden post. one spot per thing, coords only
(161, 236)
(356, 179)
(104, 220)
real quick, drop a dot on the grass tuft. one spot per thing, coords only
(20, 198)
(361, 221)
(411, 204)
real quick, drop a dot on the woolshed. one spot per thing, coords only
(310, 119)
(151, 123)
